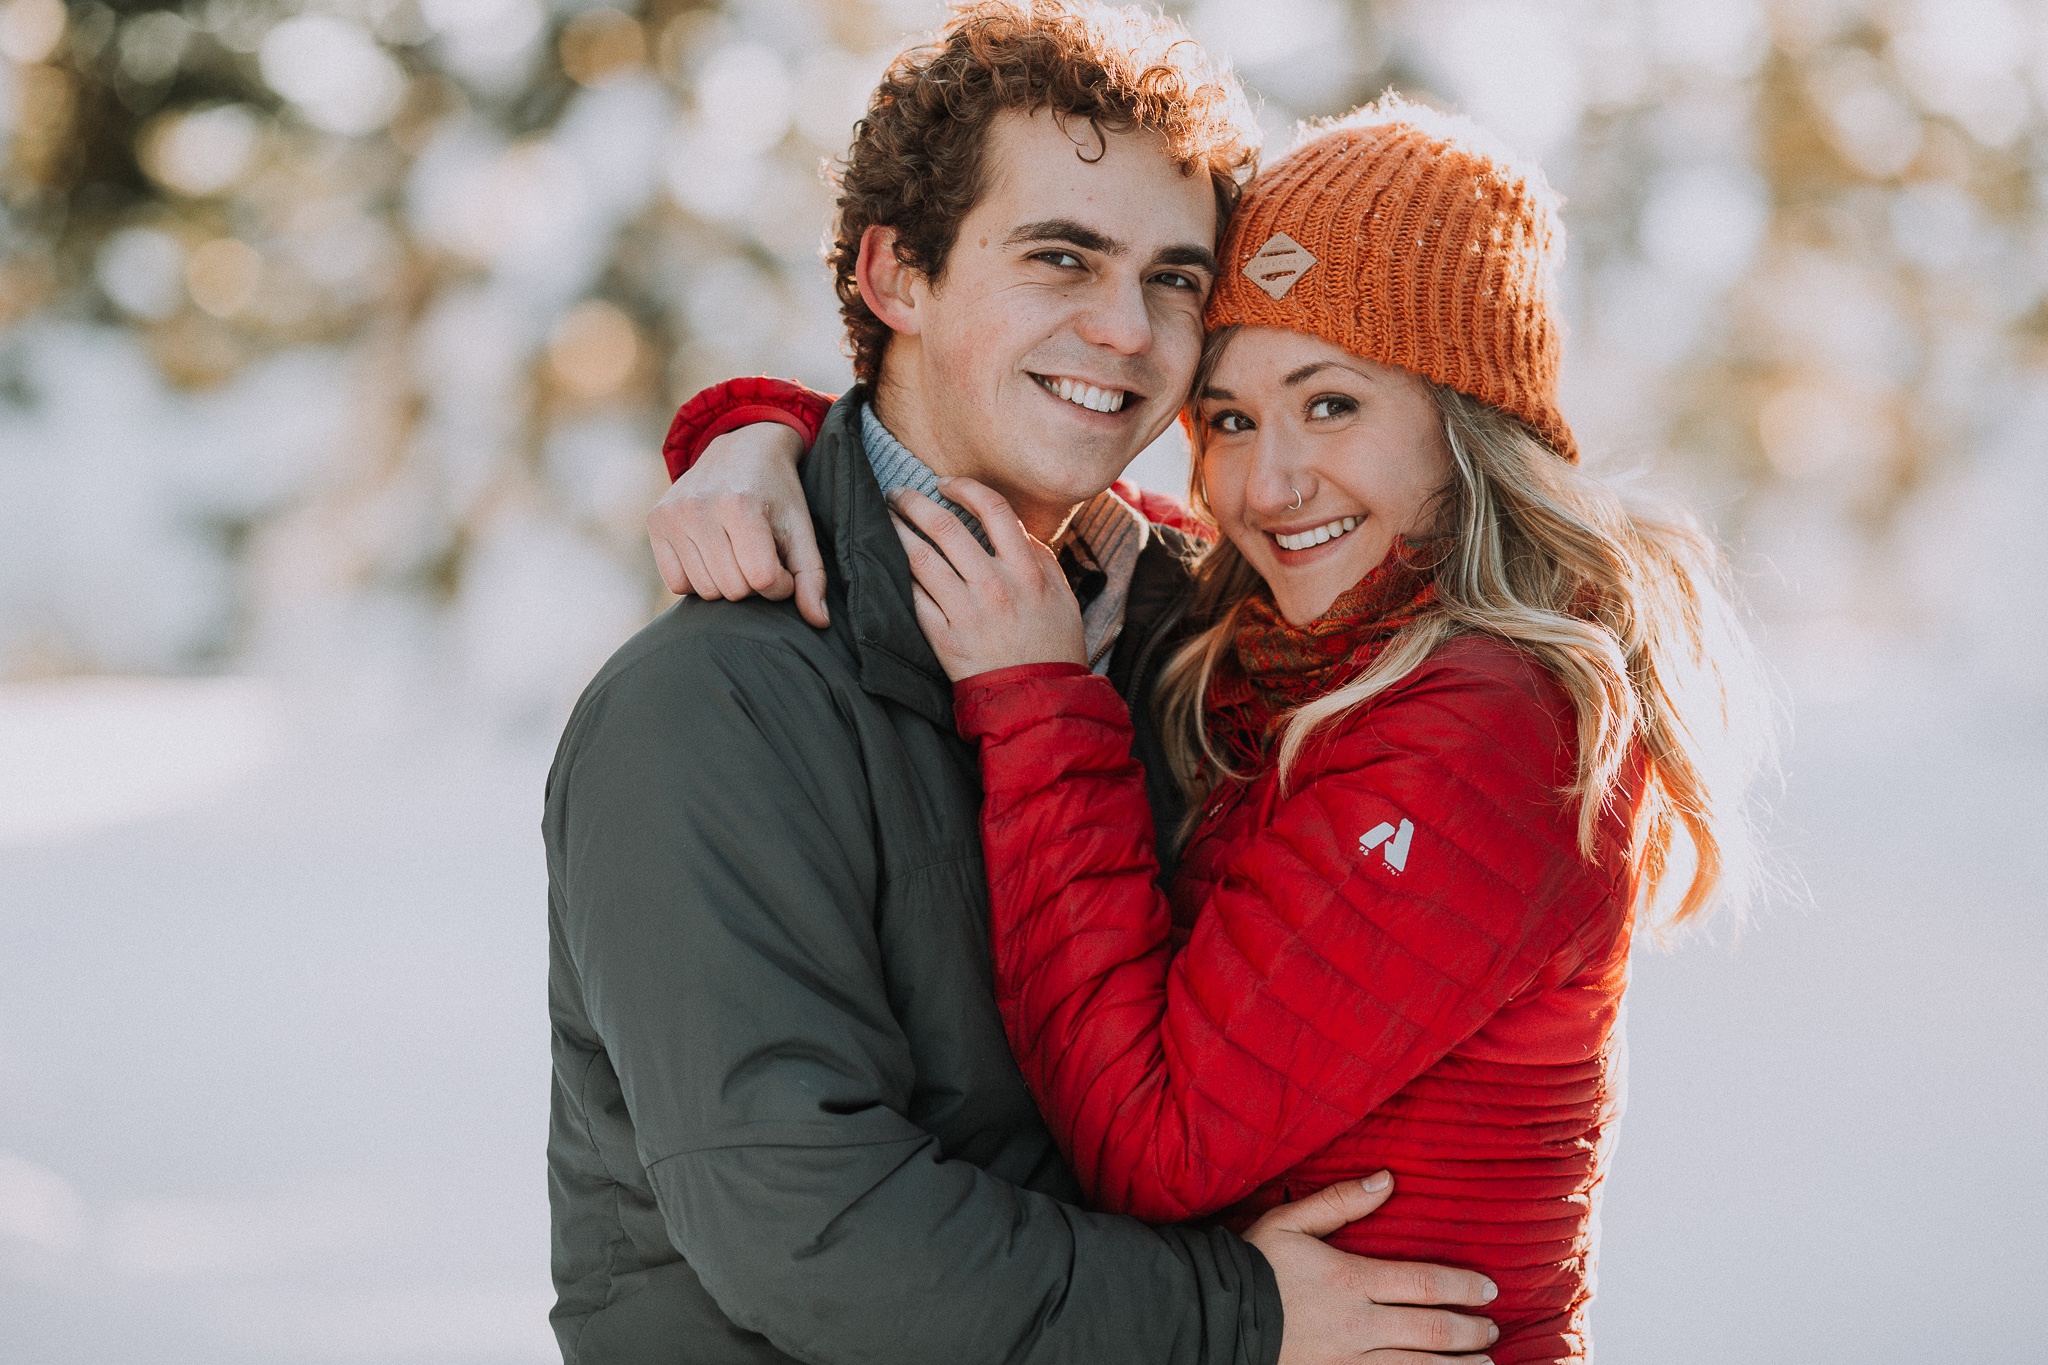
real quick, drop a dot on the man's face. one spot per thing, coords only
(1063, 334)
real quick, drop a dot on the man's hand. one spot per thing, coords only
(1350, 1309)
(735, 524)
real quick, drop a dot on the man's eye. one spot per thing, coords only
(1174, 279)
(1065, 260)
(1331, 405)
(1231, 422)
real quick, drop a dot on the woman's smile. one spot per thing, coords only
(1300, 542)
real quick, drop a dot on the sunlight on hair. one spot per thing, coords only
(1627, 607)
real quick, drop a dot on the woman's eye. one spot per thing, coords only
(1331, 405)
(1232, 422)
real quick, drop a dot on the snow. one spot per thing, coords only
(1833, 1145)
(276, 1062)
(275, 1051)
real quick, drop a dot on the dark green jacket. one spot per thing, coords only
(786, 1124)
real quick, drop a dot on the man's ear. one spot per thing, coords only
(888, 287)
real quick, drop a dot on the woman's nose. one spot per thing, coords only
(1278, 484)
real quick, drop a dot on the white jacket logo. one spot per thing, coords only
(1396, 850)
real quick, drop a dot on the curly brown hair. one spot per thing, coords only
(917, 163)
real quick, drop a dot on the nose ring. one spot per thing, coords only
(1297, 498)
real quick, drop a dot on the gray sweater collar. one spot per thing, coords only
(1106, 533)
(895, 467)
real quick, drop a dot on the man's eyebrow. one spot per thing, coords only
(1068, 231)
(1198, 256)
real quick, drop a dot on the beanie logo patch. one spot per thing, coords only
(1278, 264)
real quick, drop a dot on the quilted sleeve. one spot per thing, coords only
(1412, 885)
(739, 403)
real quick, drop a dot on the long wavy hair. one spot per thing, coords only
(1628, 607)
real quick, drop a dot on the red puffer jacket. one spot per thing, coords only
(1402, 963)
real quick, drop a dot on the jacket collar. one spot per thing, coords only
(860, 542)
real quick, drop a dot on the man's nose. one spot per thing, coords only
(1116, 319)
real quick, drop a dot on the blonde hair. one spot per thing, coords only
(1627, 608)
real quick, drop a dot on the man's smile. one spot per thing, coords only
(1083, 394)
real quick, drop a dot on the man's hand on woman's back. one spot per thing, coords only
(1342, 1308)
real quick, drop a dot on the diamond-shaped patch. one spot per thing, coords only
(1278, 264)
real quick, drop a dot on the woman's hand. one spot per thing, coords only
(736, 524)
(983, 611)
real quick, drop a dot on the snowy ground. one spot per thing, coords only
(274, 1061)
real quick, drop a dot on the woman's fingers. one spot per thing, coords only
(943, 529)
(673, 576)
(1005, 532)
(1419, 1358)
(700, 577)
(929, 569)
(714, 569)
(735, 524)
(739, 557)
(930, 618)
(758, 558)
(1013, 544)
(732, 584)
(668, 532)
(683, 527)
(995, 615)
(797, 538)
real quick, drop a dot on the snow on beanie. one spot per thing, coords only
(1403, 236)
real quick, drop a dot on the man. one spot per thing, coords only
(786, 1125)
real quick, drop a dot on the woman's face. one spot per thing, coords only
(1361, 444)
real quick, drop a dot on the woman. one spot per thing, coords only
(1447, 721)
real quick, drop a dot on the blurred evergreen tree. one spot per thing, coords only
(1807, 261)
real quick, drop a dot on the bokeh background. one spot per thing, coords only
(336, 343)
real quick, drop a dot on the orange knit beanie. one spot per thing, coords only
(1399, 235)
